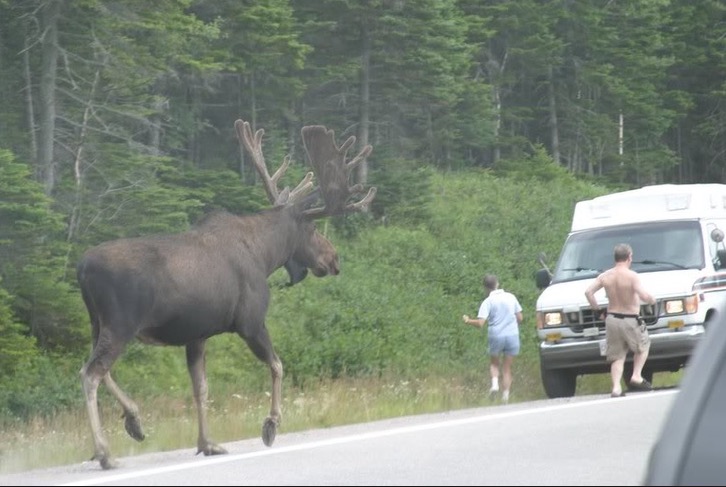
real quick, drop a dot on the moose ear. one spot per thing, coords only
(297, 272)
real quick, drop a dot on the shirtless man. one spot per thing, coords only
(623, 330)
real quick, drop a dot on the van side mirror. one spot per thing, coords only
(717, 235)
(542, 278)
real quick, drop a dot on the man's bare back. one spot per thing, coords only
(622, 288)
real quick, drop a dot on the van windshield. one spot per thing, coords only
(660, 246)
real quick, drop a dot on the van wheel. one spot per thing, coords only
(558, 382)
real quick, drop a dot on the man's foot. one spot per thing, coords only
(493, 392)
(643, 385)
(617, 394)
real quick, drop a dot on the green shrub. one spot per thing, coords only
(394, 310)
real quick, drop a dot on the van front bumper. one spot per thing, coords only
(669, 349)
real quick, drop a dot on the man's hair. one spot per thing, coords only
(490, 282)
(622, 252)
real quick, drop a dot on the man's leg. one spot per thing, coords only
(638, 364)
(494, 373)
(616, 374)
(640, 355)
(506, 376)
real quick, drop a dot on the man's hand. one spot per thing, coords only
(466, 319)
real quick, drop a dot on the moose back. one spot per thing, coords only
(181, 289)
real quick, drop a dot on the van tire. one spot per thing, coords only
(558, 382)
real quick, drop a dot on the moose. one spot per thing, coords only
(181, 289)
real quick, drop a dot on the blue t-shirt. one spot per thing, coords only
(499, 309)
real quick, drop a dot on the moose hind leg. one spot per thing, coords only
(261, 346)
(196, 365)
(132, 423)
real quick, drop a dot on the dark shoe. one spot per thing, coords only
(641, 386)
(614, 394)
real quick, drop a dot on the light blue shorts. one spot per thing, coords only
(507, 345)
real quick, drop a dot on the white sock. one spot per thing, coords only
(495, 383)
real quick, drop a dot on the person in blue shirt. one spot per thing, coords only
(502, 311)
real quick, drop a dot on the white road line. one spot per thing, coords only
(97, 480)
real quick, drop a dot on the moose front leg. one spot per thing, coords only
(196, 365)
(261, 346)
(269, 428)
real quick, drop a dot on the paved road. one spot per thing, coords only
(585, 440)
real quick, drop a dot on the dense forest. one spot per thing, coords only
(116, 120)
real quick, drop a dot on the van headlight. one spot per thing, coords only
(687, 305)
(553, 318)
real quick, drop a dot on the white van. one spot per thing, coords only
(676, 232)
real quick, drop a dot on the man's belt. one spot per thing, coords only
(623, 316)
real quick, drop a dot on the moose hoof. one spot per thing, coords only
(133, 427)
(211, 449)
(269, 430)
(108, 463)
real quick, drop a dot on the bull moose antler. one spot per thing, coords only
(253, 143)
(328, 161)
(329, 165)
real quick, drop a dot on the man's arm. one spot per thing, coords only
(591, 290)
(519, 316)
(478, 322)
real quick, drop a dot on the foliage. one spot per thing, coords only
(404, 192)
(33, 260)
(537, 166)
(18, 349)
(44, 386)
(113, 195)
(216, 189)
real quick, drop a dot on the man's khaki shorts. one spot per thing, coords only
(623, 335)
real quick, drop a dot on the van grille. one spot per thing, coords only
(587, 318)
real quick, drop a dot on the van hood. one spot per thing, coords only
(661, 284)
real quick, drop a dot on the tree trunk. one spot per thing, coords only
(554, 127)
(497, 124)
(74, 218)
(49, 48)
(495, 70)
(361, 174)
(29, 104)
(158, 108)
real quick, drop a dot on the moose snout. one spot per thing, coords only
(326, 267)
(334, 268)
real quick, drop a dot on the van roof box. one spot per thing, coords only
(652, 203)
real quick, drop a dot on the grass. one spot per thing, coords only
(170, 422)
